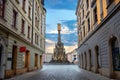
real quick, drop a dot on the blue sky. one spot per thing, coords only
(63, 12)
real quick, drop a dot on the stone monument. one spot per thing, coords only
(59, 50)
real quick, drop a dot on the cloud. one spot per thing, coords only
(49, 41)
(70, 48)
(51, 46)
(49, 49)
(64, 30)
(61, 4)
(65, 17)
(52, 32)
(70, 23)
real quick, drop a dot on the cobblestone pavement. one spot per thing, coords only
(59, 72)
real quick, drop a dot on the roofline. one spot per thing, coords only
(77, 6)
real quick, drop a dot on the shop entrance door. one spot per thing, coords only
(1, 72)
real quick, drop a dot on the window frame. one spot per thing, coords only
(88, 24)
(29, 12)
(23, 5)
(95, 14)
(28, 36)
(87, 4)
(23, 27)
(109, 2)
(14, 23)
(114, 53)
(3, 9)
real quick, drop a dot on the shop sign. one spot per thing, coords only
(22, 49)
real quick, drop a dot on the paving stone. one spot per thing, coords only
(59, 72)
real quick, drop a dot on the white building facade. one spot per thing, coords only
(47, 57)
(73, 56)
(22, 36)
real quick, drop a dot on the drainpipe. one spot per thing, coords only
(32, 21)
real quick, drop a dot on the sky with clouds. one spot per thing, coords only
(63, 12)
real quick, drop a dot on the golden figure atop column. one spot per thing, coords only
(59, 27)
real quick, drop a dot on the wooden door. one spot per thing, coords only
(36, 60)
(1, 62)
(14, 58)
(41, 61)
(27, 59)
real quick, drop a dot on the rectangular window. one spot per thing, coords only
(17, 1)
(36, 6)
(83, 13)
(101, 9)
(80, 20)
(41, 23)
(37, 22)
(28, 32)
(41, 29)
(38, 9)
(29, 13)
(84, 31)
(110, 1)
(23, 7)
(81, 35)
(88, 24)
(87, 3)
(40, 42)
(36, 38)
(14, 19)
(95, 15)
(2, 7)
(23, 26)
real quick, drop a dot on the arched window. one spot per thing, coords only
(2, 7)
(97, 56)
(85, 58)
(115, 54)
(82, 62)
(90, 58)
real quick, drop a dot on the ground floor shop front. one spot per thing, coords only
(17, 56)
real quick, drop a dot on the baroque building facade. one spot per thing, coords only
(99, 36)
(22, 36)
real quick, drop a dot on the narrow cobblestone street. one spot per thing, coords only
(59, 72)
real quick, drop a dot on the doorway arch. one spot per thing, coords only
(90, 59)
(115, 51)
(85, 60)
(97, 53)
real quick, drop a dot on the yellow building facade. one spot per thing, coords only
(99, 36)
